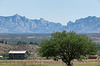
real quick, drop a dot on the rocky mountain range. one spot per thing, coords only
(21, 24)
(90, 24)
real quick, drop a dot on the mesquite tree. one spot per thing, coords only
(67, 46)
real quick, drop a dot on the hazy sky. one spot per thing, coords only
(60, 11)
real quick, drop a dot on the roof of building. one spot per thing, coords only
(17, 52)
(1, 56)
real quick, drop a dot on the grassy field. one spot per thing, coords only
(29, 64)
(44, 63)
(87, 64)
(50, 64)
(11, 64)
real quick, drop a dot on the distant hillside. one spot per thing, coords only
(6, 48)
(90, 24)
(21, 24)
(33, 38)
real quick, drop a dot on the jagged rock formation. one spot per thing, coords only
(21, 24)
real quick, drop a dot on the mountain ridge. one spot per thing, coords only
(21, 24)
(90, 24)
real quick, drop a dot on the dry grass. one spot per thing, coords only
(46, 63)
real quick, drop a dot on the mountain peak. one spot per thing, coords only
(17, 15)
(42, 20)
(91, 17)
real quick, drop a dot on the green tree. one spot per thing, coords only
(21, 42)
(31, 43)
(5, 55)
(2, 41)
(6, 42)
(67, 46)
(35, 43)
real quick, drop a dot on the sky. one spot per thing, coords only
(58, 11)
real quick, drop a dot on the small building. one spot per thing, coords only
(18, 54)
(1, 57)
(93, 57)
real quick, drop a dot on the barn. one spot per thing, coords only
(18, 54)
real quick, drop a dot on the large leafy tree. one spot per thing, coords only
(67, 46)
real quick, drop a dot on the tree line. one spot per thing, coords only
(3, 42)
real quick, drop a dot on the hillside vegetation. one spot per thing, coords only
(13, 39)
(5, 48)
(22, 38)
